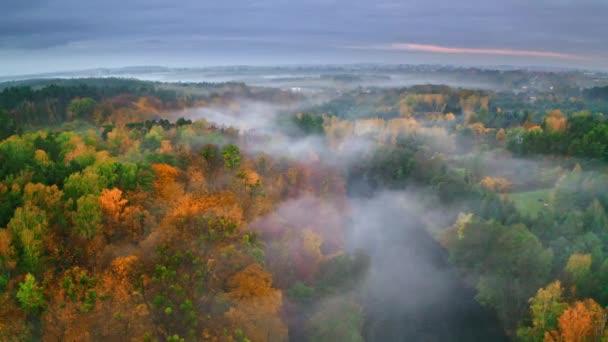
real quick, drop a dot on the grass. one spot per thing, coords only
(530, 202)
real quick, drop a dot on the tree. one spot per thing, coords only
(47, 198)
(7, 257)
(128, 317)
(583, 321)
(87, 217)
(81, 108)
(596, 220)
(29, 225)
(257, 305)
(545, 308)
(8, 126)
(30, 295)
(307, 258)
(308, 124)
(339, 319)
(510, 263)
(79, 184)
(579, 266)
(112, 205)
(556, 121)
(496, 184)
(232, 157)
(501, 136)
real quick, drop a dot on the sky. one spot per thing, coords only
(59, 35)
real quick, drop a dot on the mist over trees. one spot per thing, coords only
(134, 210)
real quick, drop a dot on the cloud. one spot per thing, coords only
(44, 32)
(476, 51)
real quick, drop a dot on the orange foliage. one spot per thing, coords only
(120, 218)
(252, 178)
(7, 252)
(165, 147)
(555, 121)
(112, 204)
(501, 135)
(13, 320)
(78, 148)
(496, 184)
(165, 173)
(530, 126)
(480, 129)
(126, 315)
(257, 305)
(223, 205)
(165, 184)
(148, 105)
(64, 320)
(119, 142)
(583, 321)
(197, 183)
(117, 278)
(41, 157)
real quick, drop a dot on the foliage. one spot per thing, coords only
(81, 107)
(509, 262)
(545, 308)
(125, 225)
(30, 295)
(232, 157)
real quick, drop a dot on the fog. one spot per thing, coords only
(409, 291)
(310, 79)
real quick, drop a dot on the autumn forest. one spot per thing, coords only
(158, 211)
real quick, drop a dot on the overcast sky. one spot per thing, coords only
(52, 35)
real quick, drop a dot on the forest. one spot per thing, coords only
(150, 211)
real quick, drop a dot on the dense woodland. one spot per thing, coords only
(123, 221)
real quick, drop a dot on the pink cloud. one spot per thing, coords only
(502, 52)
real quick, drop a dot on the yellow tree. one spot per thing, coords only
(578, 266)
(257, 305)
(545, 308)
(497, 184)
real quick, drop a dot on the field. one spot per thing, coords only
(530, 202)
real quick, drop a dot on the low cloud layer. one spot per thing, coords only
(474, 51)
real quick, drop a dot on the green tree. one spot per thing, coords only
(309, 124)
(29, 224)
(339, 319)
(83, 183)
(30, 295)
(81, 107)
(545, 309)
(8, 126)
(510, 263)
(596, 221)
(87, 217)
(232, 156)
